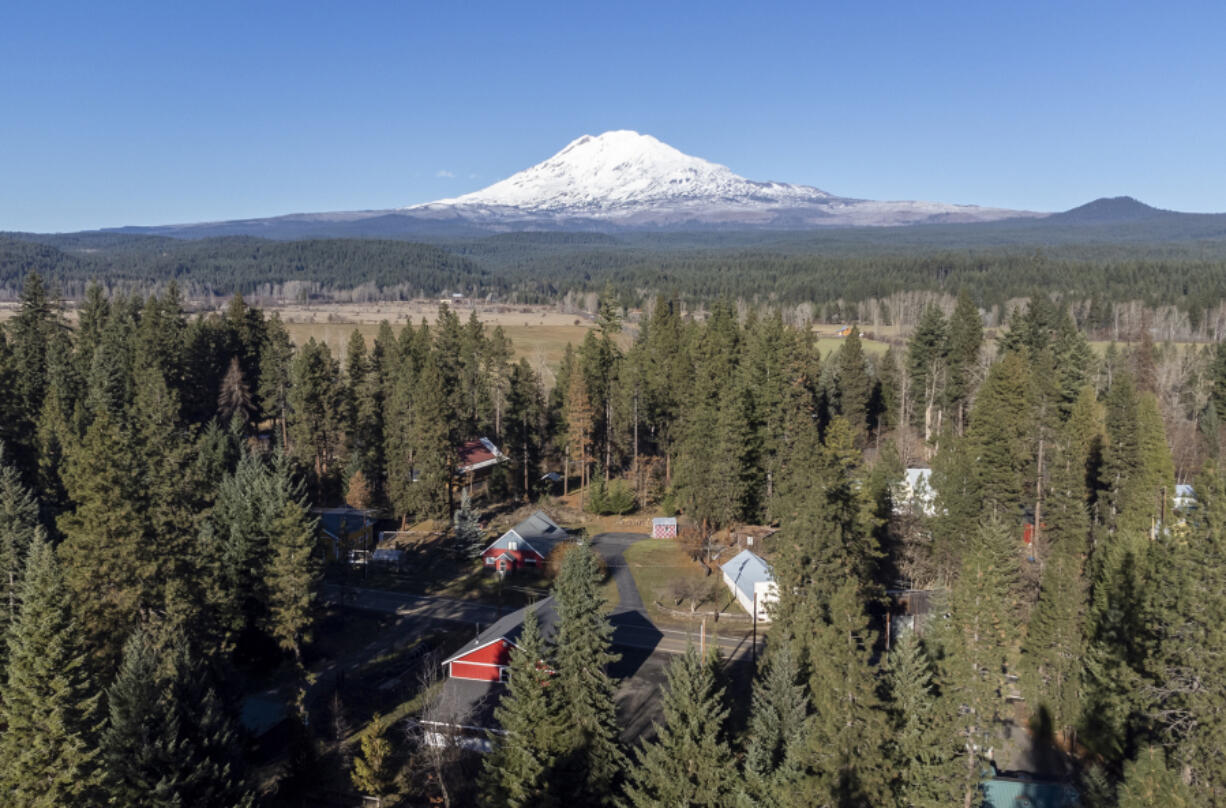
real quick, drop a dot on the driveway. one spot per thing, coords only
(632, 628)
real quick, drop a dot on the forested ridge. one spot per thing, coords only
(159, 556)
(782, 269)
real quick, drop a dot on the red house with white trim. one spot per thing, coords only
(488, 657)
(527, 544)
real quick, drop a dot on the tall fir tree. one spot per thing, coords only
(848, 735)
(778, 726)
(18, 525)
(689, 762)
(292, 576)
(432, 453)
(978, 649)
(1149, 782)
(51, 703)
(107, 563)
(926, 372)
(518, 772)
(965, 342)
(590, 759)
(923, 749)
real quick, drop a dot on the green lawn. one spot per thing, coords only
(663, 572)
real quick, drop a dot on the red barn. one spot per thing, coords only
(488, 657)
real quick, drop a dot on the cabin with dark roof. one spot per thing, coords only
(476, 460)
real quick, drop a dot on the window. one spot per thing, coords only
(489, 560)
(512, 545)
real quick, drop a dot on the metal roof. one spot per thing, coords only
(478, 454)
(664, 520)
(538, 531)
(510, 626)
(1008, 792)
(747, 569)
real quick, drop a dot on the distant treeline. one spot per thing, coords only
(542, 267)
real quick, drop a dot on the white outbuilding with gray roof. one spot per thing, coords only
(751, 582)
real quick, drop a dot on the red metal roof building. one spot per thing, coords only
(488, 657)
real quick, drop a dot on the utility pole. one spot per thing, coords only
(754, 647)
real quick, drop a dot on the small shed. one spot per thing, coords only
(664, 527)
(751, 582)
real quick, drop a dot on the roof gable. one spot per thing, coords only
(538, 533)
(746, 570)
(511, 626)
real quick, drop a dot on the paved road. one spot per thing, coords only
(433, 607)
(632, 628)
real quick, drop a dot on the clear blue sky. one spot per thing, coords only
(149, 113)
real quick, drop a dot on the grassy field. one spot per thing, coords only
(662, 571)
(828, 345)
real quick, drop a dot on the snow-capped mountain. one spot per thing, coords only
(619, 180)
(623, 178)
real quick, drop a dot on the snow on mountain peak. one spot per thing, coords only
(627, 179)
(620, 169)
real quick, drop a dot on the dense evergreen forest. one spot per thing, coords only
(159, 554)
(831, 271)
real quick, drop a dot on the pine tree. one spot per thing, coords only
(774, 755)
(923, 749)
(429, 495)
(1054, 649)
(292, 577)
(517, 773)
(234, 400)
(1185, 693)
(50, 705)
(1000, 432)
(18, 524)
(30, 337)
(590, 758)
(854, 385)
(979, 646)
(926, 371)
(1148, 782)
(314, 400)
(370, 770)
(826, 535)
(206, 754)
(524, 428)
(580, 423)
(965, 342)
(689, 762)
(467, 527)
(138, 743)
(712, 462)
(108, 564)
(276, 358)
(848, 735)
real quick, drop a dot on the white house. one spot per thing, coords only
(1185, 497)
(917, 491)
(751, 582)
